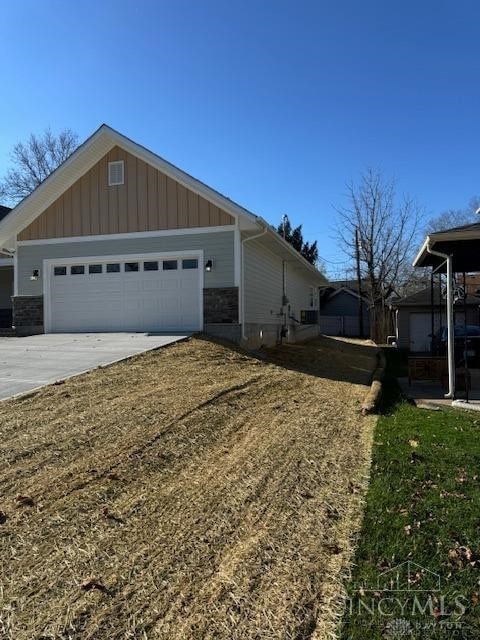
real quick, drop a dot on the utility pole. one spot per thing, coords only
(359, 280)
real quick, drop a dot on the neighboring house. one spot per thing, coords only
(118, 239)
(6, 282)
(472, 282)
(414, 317)
(339, 309)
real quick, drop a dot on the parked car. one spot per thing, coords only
(469, 349)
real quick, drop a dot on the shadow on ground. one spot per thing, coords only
(324, 357)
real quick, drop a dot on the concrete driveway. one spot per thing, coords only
(32, 362)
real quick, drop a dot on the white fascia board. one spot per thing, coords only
(422, 251)
(91, 151)
(9, 245)
(237, 256)
(299, 259)
(131, 235)
(350, 293)
(85, 157)
(185, 179)
(15, 273)
(445, 236)
(81, 160)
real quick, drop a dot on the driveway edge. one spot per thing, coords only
(32, 392)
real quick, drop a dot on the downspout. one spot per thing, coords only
(242, 280)
(450, 327)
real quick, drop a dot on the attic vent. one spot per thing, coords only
(115, 173)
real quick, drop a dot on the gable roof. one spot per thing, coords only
(348, 291)
(348, 287)
(93, 150)
(349, 284)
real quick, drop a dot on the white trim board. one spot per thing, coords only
(48, 263)
(86, 156)
(15, 273)
(132, 235)
(237, 256)
(95, 148)
(350, 292)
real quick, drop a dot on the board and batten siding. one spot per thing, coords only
(218, 246)
(345, 305)
(263, 281)
(147, 201)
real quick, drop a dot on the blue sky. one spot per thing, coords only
(276, 104)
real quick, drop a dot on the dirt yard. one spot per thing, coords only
(193, 492)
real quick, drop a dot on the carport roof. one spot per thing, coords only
(462, 243)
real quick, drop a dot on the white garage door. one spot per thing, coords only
(420, 328)
(151, 293)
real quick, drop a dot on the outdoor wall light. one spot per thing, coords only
(209, 265)
(35, 274)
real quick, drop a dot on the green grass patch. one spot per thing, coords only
(423, 508)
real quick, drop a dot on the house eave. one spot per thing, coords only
(86, 156)
(96, 147)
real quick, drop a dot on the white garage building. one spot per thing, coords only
(414, 317)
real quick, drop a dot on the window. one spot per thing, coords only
(77, 270)
(113, 267)
(150, 266)
(131, 266)
(115, 173)
(170, 265)
(94, 268)
(308, 316)
(190, 263)
(59, 271)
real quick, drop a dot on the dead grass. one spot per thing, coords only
(193, 492)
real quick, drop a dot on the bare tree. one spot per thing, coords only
(33, 161)
(455, 217)
(386, 227)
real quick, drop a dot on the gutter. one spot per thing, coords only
(286, 245)
(450, 328)
(443, 236)
(244, 241)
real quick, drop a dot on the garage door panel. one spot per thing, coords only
(154, 300)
